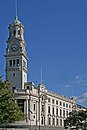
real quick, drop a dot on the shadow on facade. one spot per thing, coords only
(28, 127)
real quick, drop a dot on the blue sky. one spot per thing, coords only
(56, 39)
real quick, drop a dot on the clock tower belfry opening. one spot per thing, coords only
(16, 57)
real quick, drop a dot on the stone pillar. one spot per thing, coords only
(36, 112)
(51, 119)
(27, 110)
(39, 111)
(31, 109)
(51, 114)
(46, 113)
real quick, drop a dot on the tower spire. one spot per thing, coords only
(41, 75)
(16, 9)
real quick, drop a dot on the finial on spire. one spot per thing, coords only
(16, 10)
(16, 21)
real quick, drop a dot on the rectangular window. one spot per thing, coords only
(48, 109)
(42, 108)
(63, 104)
(14, 32)
(67, 105)
(60, 122)
(17, 62)
(53, 101)
(49, 121)
(57, 102)
(10, 62)
(42, 121)
(13, 74)
(57, 122)
(66, 113)
(63, 113)
(60, 103)
(18, 32)
(60, 112)
(13, 62)
(48, 99)
(27, 87)
(53, 121)
(42, 98)
(53, 110)
(56, 111)
(34, 107)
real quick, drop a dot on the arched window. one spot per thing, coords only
(18, 32)
(14, 32)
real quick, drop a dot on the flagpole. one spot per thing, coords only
(41, 75)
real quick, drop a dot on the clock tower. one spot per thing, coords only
(16, 58)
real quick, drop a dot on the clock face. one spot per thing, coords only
(14, 47)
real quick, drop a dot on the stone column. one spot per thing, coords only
(39, 111)
(51, 114)
(36, 112)
(31, 108)
(27, 110)
(46, 113)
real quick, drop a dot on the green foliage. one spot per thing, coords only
(9, 110)
(77, 119)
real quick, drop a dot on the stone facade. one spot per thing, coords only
(43, 107)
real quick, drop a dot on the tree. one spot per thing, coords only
(77, 119)
(9, 110)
